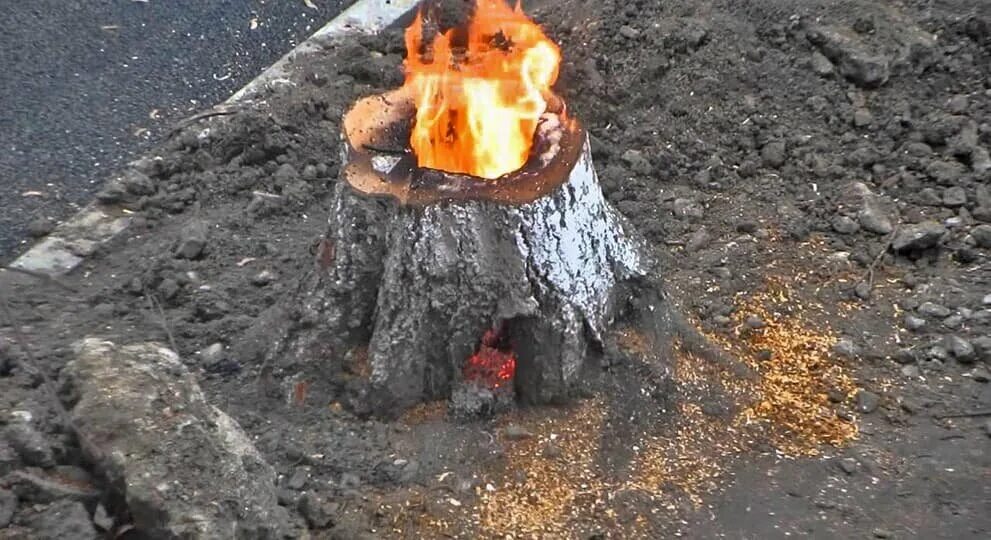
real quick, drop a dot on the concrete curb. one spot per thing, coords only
(79, 236)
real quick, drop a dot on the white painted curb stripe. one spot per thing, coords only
(68, 245)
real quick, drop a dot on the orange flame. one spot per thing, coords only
(477, 110)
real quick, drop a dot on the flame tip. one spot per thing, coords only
(489, 96)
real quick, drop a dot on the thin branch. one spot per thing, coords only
(156, 307)
(40, 276)
(972, 414)
(183, 124)
(384, 150)
(869, 276)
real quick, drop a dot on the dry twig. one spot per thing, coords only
(869, 276)
(163, 321)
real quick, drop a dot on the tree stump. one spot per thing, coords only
(444, 276)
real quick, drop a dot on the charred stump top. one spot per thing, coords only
(379, 162)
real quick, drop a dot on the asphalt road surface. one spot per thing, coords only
(86, 85)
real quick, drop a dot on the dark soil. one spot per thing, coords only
(815, 176)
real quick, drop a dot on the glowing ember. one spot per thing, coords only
(494, 364)
(477, 109)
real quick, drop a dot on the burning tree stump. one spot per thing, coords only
(508, 281)
(466, 287)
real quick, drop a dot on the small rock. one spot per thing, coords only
(722, 320)
(350, 480)
(41, 226)
(722, 272)
(848, 466)
(862, 118)
(112, 192)
(697, 240)
(983, 346)
(958, 104)
(553, 451)
(135, 286)
(310, 172)
(862, 290)
(938, 352)
(953, 322)
(872, 210)
(747, 168)
(961, 349)
(30, 445)
(918, 237)
(845, 348)
(212, 353)
(906, 356)
(168, 288)
(845, 225)
(946, 172)
(853, 60)
(514, 432)
(687, 208)
(137, 183)
(980, 374)
(930, 197)
(911, 371)
(192, 240)
(965, 255)
(285, 174)
(263, 204)
(773, 154)
(867, 402)
(102, 519)
(821, 65)
(317, 513)
(754, 322)
(954, 197)
(932, 309)
(982, 235)
(8, 505)
(747, 226)
(637, 162)
(263, 278)
(980, 160)
(987, 427)
(882, 533)
(629, 32)
(65, 520)
(299, 478)
(914, 323)
(873, 219)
